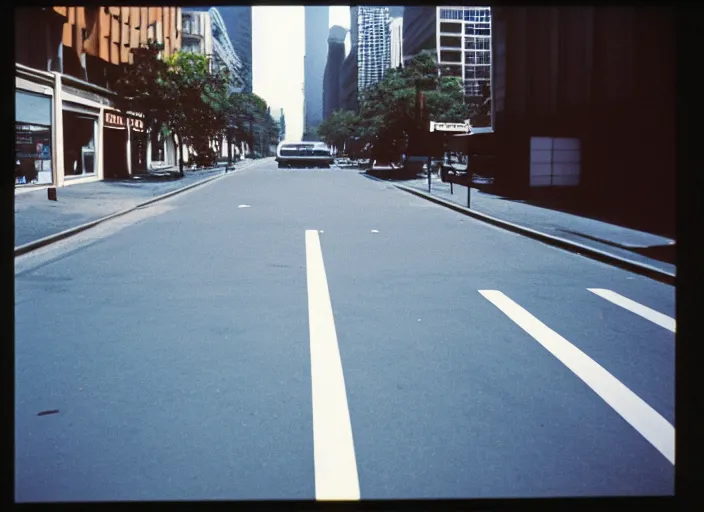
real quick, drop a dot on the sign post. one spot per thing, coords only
(448, 128)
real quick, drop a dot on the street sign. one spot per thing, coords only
(450, 127)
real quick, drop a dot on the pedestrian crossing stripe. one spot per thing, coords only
(643, 418)
(639, 309)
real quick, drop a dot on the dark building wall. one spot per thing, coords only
(604, 75)
(348, 81)
(419, 29)
(331, 84)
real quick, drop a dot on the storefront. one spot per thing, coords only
(80, 127)
(125, 144)
(34, 134)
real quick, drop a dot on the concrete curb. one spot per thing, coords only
(31, 246)
(590, 252)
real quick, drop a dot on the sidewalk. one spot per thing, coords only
(640, 247)
(36, 217)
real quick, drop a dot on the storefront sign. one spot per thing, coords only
(114, 120)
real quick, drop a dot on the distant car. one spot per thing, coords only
(303, 154)
(384, 167)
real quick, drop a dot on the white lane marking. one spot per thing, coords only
(375, 231)
(336, 475)
(244, 206)
(639, 309)
(651, 425)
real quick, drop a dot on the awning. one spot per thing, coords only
(481, 140)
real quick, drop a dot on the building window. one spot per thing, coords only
(451, 14)
(79, 144)
(450, 28)
(477, 15)
(477, 30)
(450, 42)
(450, 56)
(32, 139)
(477, 57)
(477, 72)
(477, 43)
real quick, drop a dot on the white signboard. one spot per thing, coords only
(449, 127)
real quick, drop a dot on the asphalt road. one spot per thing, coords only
(293, 334)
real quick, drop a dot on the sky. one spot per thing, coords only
(278, 47)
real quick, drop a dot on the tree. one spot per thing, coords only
(140, 87)
(248, 117)
(198, 102)
(179, 93)
(339, 127)
(387, 113)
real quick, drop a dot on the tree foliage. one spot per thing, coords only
(140, 86)
(339, 127)
(248, 115)
(197, 99)
(387, 110)
(184, 96)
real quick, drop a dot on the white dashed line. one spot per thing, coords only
(651, 425)
(336, 475)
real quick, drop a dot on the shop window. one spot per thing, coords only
(80, 133)
(32, 139)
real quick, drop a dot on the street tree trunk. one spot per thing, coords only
(180, 156)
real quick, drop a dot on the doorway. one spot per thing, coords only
(115, 157)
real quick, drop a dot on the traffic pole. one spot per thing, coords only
(430, 159)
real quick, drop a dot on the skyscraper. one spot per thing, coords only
(317, 19)
(331, 83)
(238, 22)
(373, 46)
(459, 37)
(396, 42)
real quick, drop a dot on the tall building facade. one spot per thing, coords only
(317, 19)
(333, 66)
(237, 21)
(224, 54)
(68, 128)
(459, 37)
(204, 33)
(373, 45)
(348, 82)
(197, 35)
(396, 42)
(419, 30)
(464, 46)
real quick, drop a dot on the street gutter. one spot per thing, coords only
(31, 246)
(590, 252)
